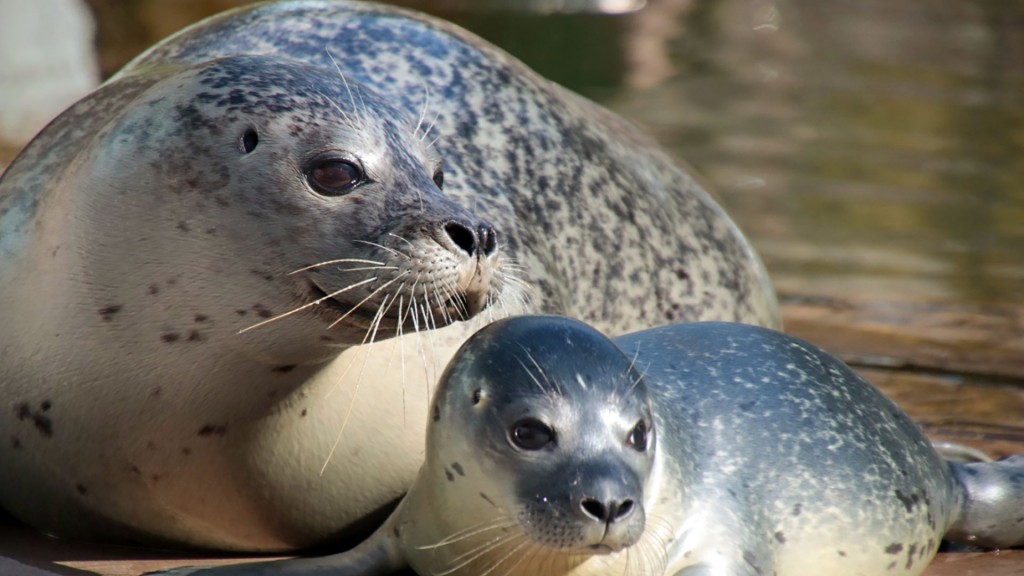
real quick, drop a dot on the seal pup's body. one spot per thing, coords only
(705, 449)
(177, 206)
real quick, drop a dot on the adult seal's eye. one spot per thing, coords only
(531, 434)
(334, 177)
(637, 439)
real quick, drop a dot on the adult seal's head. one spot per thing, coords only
(242, 220)
(708, 448)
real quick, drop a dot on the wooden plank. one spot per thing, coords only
(913, 335)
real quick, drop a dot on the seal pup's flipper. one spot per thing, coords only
(992, 512)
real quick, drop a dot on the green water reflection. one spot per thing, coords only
(869, 148)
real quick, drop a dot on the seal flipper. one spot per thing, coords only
(992, 512)
(378, 555)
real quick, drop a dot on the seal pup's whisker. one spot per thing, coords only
(501, 522)
(529, 373)
(308, 305)
(553, 383)
(482, 550)
(526, 543)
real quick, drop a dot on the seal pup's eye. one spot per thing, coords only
(439, 178)
(334, 177)
(637, 439)
(531, 434)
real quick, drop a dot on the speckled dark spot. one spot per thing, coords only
(186, 451)
(894, 548)
(170, 337)
(841, 553)
(908, 501)
(135, 470)
(200, 318)
(489, 501)
(108, 312)
(241, 312)
(796, 510)
(780, 537)
(45, 405)
(213, 429)
(262, 274)
(15, 443)
(751, 560)
(42, 422)
(153, 290)
(283, 369)
(183, 226)
(81, 489)
(437, 413)
(458, 469)
(195, 336)
(448, 474)
(910, 555)
(303, 413)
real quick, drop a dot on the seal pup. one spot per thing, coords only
(692, 449)
(203, 263)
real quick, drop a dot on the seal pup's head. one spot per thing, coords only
(541, 441)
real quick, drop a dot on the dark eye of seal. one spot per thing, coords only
(439, 178)
(638, 437)
(334, 177)
(531, 434)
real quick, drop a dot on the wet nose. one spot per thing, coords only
(478, 240)
(608, 511)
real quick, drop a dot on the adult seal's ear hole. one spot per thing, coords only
(249, 140)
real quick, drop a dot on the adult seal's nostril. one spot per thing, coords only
(463, 236)
(488, 239)
(481, 240)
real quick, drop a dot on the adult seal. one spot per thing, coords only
(694, 449)
(229, 277)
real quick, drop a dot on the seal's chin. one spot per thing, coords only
(602, 549)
